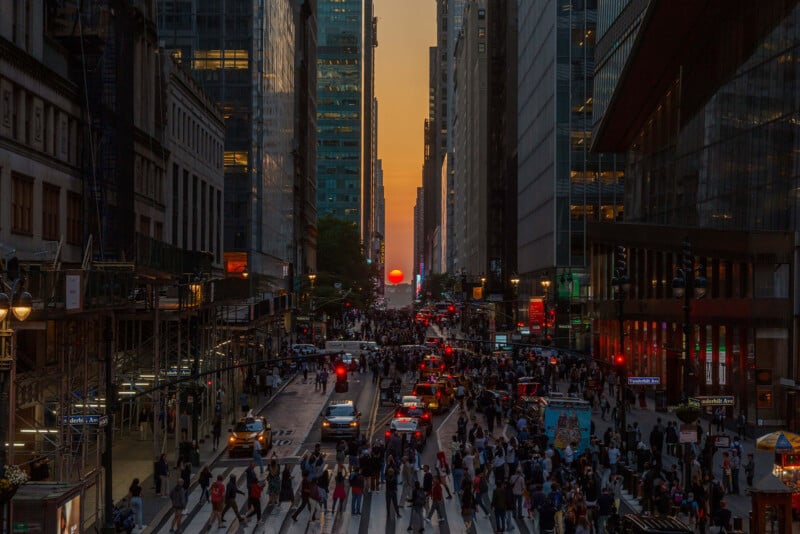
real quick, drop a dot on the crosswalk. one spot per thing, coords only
(374, 517)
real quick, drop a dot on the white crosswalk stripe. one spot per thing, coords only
(374, 516)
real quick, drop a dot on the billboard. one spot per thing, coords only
(568, 422)
(536, 314)
(69, 516)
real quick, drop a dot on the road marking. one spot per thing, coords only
(282, 442)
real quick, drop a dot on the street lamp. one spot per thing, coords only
(514, 286)
(546, 288)
(621, 283)
(20, 303)
(685, 285)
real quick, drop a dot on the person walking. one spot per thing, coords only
(305, 494)
(186, 476)
(391, 491)
(230, 500)
(257, 457)
(416, 523)
(204, 481)
(178, 499)
(217, 502)
(517, 482)
(499, 506)
(254, 499)
(357, 490)
(750, 470)
(736, 464)
(216, 431)
(162, 476)
(407, 477)
(481, 490)
(437, 500)
(273, 483)
(135, 499)
(287, 488)
(339, 491)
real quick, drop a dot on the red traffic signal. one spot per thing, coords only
(619, 360)
(341, 373)
(448, 350)
(347, 304)
(451, 308)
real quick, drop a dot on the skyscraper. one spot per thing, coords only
(562, 186)
(339, 109)
(242, 54)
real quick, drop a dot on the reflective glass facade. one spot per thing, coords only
(735, 164)
(242, 54)
(339, 101)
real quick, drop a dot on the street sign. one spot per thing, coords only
(644, 380)
(712, 400)
(81, 419)
(181, 372)
(688, 433)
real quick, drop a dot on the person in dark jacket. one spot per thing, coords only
(162, 475)
(230, 500)
(499, 506)
(178, 498)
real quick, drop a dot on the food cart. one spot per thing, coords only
(787, 470)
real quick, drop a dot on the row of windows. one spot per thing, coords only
(195, 136)
(196, 213)
(27, 119)
(54, 220)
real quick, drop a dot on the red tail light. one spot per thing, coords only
(398, 414)
(388, 433)
(414, 393)
(426, 416)
(441, 367)
(417, 434)
(438, 394)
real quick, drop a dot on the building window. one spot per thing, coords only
(51, 198)
(21, 204)
(158, 231)
(144, 225)
(74, 225)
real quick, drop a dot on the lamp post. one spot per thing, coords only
(546, 288)
(14, 298)
(621, 283)
(684, 285)
(514, 286)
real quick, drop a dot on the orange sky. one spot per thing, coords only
(406, 30)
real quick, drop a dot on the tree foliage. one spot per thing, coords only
(340, 259)
(438, 286)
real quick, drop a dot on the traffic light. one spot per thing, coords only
(448, 350)
(341, 379)
(619, 364)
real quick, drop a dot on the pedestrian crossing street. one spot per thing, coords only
(374, 517)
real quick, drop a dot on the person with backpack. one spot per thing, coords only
(217, 502)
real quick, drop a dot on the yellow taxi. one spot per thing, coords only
(431, 366)
(434, 396)
(248, 430)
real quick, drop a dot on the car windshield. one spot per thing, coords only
(410, 411)
(425, 390)
(342, 410)
(249, 426)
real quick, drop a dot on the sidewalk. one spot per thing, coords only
(133, 458)
(740, 505)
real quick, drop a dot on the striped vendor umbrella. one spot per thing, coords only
(780, 442)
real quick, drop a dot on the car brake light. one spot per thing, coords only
(438, 394)
(414, 393)
(398, 414)
(441, 367)
(388, 433)
(418, 434)
(426, 416)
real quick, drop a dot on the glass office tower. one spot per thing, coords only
(339, 101)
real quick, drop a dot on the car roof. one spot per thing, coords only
(408, 398)
(341, 403)
(412, 404)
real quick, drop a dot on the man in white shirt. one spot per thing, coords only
(569, 455)
(613, 458)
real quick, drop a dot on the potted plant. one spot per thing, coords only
(11, 479)
(687, 414)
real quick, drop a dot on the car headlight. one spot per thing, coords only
(231, 439)
(326, 424)
(353, 423)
